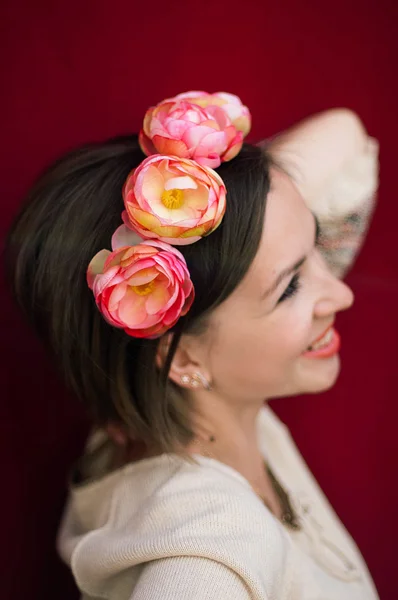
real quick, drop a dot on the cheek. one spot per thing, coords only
(295, 329)
(254, 348)
(288, 330)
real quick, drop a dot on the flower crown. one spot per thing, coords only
(174, 197)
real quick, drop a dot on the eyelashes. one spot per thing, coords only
(295, 282)
(292, 288)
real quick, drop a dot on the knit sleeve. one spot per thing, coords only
(189, 577)
(334, 163)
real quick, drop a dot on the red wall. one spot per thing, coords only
(82, 70)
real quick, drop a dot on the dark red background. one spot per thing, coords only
(82, 70)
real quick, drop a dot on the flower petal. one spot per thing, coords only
(156, 301)
(147, 120)
(243, 124)
(177, 127)
(143, 276)
(232, 151)
(131, 310)
(150, 184)
(170, 147)
(194, 135)
(109, 278)
(212, 160)
(124, 236)
(181, 183)
(117, 294)
(197, 199)
(145, 219)
(145, 144)
(96, 266)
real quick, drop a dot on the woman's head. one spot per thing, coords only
(70, 215)
(256, 340)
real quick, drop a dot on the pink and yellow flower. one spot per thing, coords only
(208, 128)
(238, 114)
(173, 199)
(144, 288)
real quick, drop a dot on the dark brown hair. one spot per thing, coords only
(71, 214)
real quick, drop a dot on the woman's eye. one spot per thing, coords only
(292, 288)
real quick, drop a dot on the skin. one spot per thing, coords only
(253, 348)
(252, 351)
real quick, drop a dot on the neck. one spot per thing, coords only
(233, 425)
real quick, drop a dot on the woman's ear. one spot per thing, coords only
(185, 370)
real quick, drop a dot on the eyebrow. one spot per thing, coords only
(289, 270)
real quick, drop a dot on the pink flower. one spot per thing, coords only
(208, 128)
(238, 114)
(143, 289)
(173, 199)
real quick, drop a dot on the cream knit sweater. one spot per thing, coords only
(165, 529)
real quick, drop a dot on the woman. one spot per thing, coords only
(190, 487)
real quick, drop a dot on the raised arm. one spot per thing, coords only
(334, 163)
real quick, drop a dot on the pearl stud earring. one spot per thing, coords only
(195, 381)
(201, 380)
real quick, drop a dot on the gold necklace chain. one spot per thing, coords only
(289, 517)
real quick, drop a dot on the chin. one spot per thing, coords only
(323, 375)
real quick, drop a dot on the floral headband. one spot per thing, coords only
(174, 197)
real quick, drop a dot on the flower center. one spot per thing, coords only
(173, 198)
(145, 289)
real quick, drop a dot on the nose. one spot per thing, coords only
(334, 294)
